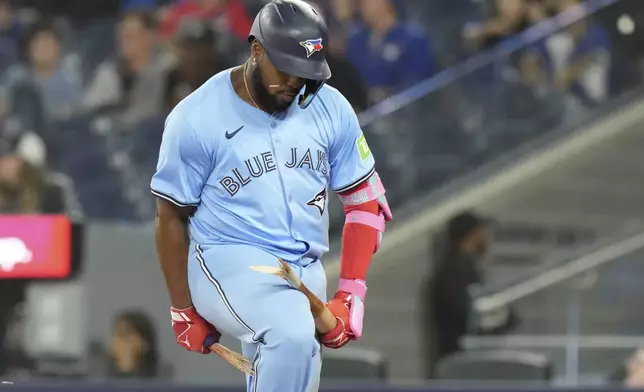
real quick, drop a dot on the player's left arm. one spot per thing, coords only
(354, 178)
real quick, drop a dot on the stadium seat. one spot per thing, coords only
(54, 323)
(495, 365)
(353, 364)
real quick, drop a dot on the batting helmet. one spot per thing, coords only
(294, 36)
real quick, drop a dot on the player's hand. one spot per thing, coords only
(342, 334)
(191, 330)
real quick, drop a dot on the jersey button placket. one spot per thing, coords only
(276, 140)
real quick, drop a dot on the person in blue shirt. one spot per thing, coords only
(585, 67)
(390, 54)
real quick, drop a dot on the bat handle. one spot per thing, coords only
(211, 341)
(237, 360)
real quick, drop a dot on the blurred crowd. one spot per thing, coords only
(85, 87)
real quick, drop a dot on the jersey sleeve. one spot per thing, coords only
(350, 158)
(184, 164)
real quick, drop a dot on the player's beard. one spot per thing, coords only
(263, 97)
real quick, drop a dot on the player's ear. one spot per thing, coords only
(256, 51)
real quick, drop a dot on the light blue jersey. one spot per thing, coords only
(259, 179)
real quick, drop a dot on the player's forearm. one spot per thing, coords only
(358, 244)
(358, 239)
(172, 249)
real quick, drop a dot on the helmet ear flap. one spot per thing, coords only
(310, 91)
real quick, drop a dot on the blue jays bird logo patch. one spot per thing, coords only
(319, 201)
(312, 46)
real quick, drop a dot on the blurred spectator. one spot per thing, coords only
(10, 35)
(339, 14)
(344, 76)
(24, 187)
(390, 54)
(458, 252)
(53, 77)
(635, 372)
(529, 93)
(197, 62)
(133, 349)
(580, 61)
(578, 58)
(631, 373)
(348, 81)
(506, 19)
(230, 16)
(510, 17)
(344, 11)
(132, 84)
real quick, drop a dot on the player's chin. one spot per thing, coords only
(283, 102)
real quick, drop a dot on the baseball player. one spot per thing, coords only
(242, 179)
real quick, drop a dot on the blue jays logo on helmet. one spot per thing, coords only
(312, 46)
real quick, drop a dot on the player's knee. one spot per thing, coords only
(296, 342)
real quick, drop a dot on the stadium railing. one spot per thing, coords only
(579, 311)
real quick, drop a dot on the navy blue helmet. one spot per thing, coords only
(294, 37)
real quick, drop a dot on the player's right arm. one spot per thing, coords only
(171, 226)
(182, 170)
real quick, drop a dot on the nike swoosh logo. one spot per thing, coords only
(230, 135)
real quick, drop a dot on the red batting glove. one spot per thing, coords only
(341, 334)
(191, 330)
